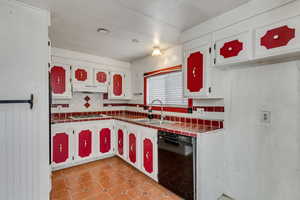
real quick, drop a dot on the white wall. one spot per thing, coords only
(24, 133)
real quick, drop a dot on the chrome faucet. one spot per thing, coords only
(161, 109)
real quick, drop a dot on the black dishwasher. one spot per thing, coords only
(177, 164)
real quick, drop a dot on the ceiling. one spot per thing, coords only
(74, 23)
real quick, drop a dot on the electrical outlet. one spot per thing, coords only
(265, 117)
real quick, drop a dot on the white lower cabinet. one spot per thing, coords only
(104, 138)
(77, 143)
(62, 145)
(149, 162)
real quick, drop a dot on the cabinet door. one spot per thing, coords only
(105, 140)
(149, 153)
(60, 81)
(132, 139)
(196, 71)
(61, 146)
(100, 77)
(84, 143)
(117, 86)
(233, 49)
(82, 76)
(278, 38)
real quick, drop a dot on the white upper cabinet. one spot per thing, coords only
(278, 38)
(197, 58)
(117, 87)
(82, 76)
(101, 77)
(60, 81)
(232, 49)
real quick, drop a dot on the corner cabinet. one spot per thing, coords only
(60, 81)
(197, 58)
(104, 138)
(279, 38)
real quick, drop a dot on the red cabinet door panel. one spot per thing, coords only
(120, 141)
(58, 80)
(117, 85)
(60, 151)
(81, 75)
(195, 72)
(105, 136)
(101, 77)
(231, 49)
(132, 147)
(278, 37)
(85, 143)
(148, 155)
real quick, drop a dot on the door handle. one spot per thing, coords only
(85, 143)
(105, 140)
(119, 142)
(147, 155)
(60, 148)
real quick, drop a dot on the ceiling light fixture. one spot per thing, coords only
(156, 51)
(103, 30)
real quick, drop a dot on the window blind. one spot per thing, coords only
(166, 87)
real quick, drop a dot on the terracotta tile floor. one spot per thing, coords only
(108, 179)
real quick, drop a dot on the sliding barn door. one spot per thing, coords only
(24, 132)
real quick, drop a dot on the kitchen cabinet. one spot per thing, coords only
(60, 81)
(233, 49)
(121, 140)
(197, 58)
(101, 77)
(83, 142)
(117, 87)
(279, 38)
(104, 138)
(133, 145)
(149, 152)
(61, 140)
(82, 76)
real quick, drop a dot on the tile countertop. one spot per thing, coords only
(181, 128)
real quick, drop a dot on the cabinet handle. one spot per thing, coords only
(60, 148)
(58, 80)
(119, 142)
(131, 147)
(147, 155)
(105, 140)
(276, 37)
(85, 143)
(194, 72)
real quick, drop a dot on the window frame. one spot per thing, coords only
(170, 108)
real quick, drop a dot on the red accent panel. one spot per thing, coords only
(120, 141)
(105, 135)
(277, 37)
(81, 74)
(231, 49)
(132, 147)
(195, 64)
(60, 151)
(101, 77)
(58, 80)
(148, 155)
(85, 143)
(117, 85)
